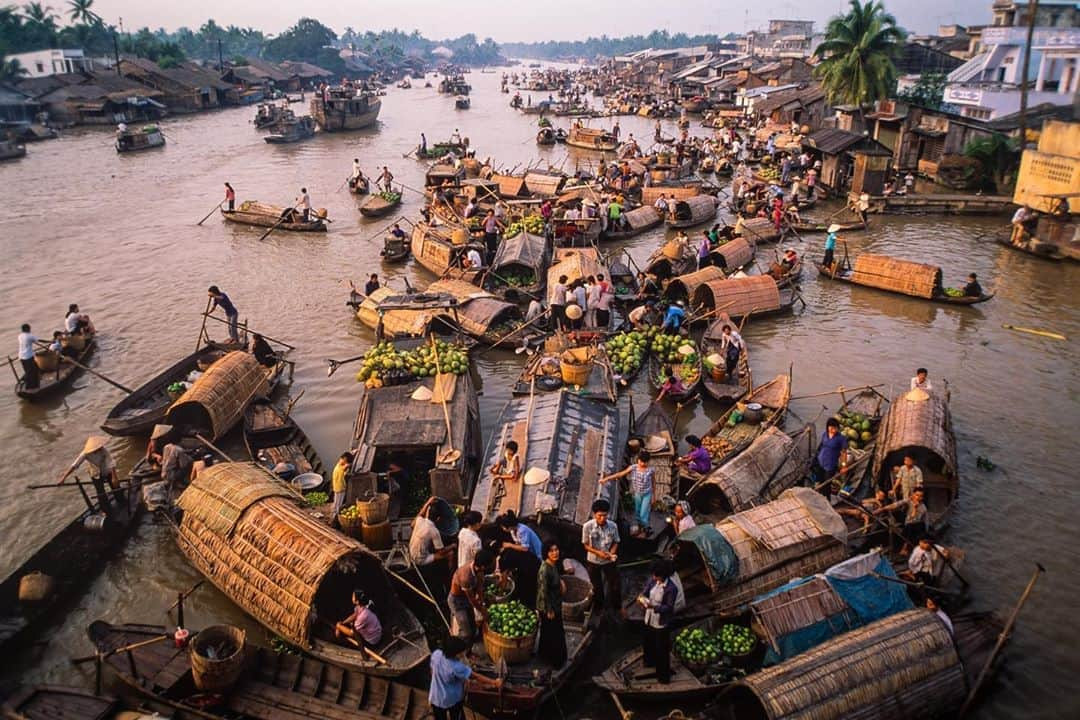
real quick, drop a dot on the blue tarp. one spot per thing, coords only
(718, 554)
(871, 598)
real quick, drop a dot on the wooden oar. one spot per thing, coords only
(520, 327)
(202, 330)
(117, 651)
(335, 364)
(253, 332)
(838, 391)
(1033, 331)
(76, 363)
(213, 447)
(216, 208)
(276, 225)
(1002, 639)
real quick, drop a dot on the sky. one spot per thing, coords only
(515, 21)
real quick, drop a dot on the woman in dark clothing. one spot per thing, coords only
(549, 599)
(658, 599)
(523, 567)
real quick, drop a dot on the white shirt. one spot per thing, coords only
(26, 346)
(423, 542)
(468, 546)
(945, 619)
(71, 322)
(1021, 215)
(924, 385)
(355, 170)
(733, 339)
(305, 201)
(474, 258)
(926, 561)
(535, 308)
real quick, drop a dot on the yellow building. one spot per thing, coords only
(1049, 183)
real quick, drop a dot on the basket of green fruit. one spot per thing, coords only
(510, 633)
(350, 521)
(697, 648)
(498, 589)
(738, 642)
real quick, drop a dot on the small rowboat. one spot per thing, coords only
(381, 204)
(894, 275)
(729, 388)
(688, 372)
(773, 397)
(53, 381)
(272, 437)
(252, 212)
(359, 188)
(805, 228)
(395, 249)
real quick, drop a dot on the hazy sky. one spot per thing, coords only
(515, 20)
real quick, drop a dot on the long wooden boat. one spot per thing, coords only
(864, 405)
(574, 263)
(290, 129)
(273, 686)
(726, 388)
(272, 437)
(268, 114)
(442, 250)
(57, 702)
(688, 372)
(807, 228)
(395, 249)
(786, 276)
(920, 424)
(230, 510)
(682, 287)
(635, 222)
(733, 255)
(345, 109)
(54, 381)
(11, 150)
(731, 439)
(756, 294)
(518, 272)
(894, 275)
(591, 139)
(71, 560)
(137, 413)
(253, 212)
(671, 260)
(692, 211)
(380, 204)
(482, 315)
(439, 149)
(147, 137)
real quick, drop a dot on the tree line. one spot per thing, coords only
(605, 46)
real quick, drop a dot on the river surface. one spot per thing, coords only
(118, 235)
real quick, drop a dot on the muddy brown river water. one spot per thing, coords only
(117, 234)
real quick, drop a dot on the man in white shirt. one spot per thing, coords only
(921, 381)
(468, 539)
(471, 208)
(31, 377)
(474, 259)
(304, 203)
(661, 204)
(926, 561)
(425, 543)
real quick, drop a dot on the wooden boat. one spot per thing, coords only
(272, 437)
(273, 686)
(439, 149)
(68, 563)
(50, 382)
(920, 424)
(1053, 238)
(807, 228)
(517, 274)
(783, 275)
(345, 108)
(529, 685)
(864, 404)
(462, 102)
(395, 249)
(894, 275)
(692, 211)
(674, 258)
(591, 138)
(655, 422)
(480, 314)
(253, 212)
(635, 222)
(543, 371)
(572, 438)
(381, 204)
(574, 263)
(756, 294)
(145, 138)
(545, 136)
(442, 250)
(137, 413)
(719, 385)
(442, 173)
(732, 439)
(732, 255)
(360, 188)
(217, 400)
(228, 513)
(267, 114)
(689, 372)
(682, 287)
(11, 150)
(56, 702)
(290, 129)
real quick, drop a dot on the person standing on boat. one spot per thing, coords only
(103, 469)
(386, 179)
(830, 246)
(423, 145)
(832, 454)
(731, 343)
(926, 561)
(303, 201)
(466, 597)
(549, 602)
(230, 197)
(468, 541)
(558, 303)
(658, 600)
(339, 484)
(600, 538)
(642, 481)
(914, 517)
(232, 315)
(908, 478)
(31, 376)
(491, 235)
(448, 677)
(921, 381)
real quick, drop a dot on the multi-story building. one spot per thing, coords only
(43, 63)
(782, 39)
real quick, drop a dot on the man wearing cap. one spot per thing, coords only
(830, 245)
(600, 538)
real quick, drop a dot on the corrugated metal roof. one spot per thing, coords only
(556, 440)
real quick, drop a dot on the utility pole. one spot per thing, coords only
(116, 51)
(220, 60)
(1033, 10)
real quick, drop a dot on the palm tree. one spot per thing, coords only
(40, 14)
(79, 11)
(856, 59)
(11, 70)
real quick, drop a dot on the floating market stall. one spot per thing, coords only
(757, 230)
(442, 250)
(480, 314)
(517, 273)
(894, 275)
(692, 211)
(636, 222)
(574, 263)
(734, 255)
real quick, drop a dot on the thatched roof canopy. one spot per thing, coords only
(683, 286)
(737, 252)
(902, 276)
(696, 207)
(244, 531)
(921, 427)
(759, 230)
(739, 296)
(901, 667)
(524, 250)
(650, 194)
(477, 310)
(574, 263)
(510, 186)
(398, 322)
(216, 401)
(539, 183)
(642, 218)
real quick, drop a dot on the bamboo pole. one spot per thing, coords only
(207, 315)
(276, 225)
(838, 391)
(216, 208)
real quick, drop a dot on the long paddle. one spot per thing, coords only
(335, 364)
(276, 225)
(202, 330)
(76, 363)
(520, 327)
(264, 337)
(216, 208)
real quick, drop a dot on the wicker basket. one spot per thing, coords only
(576, 599)
(351, 525)
(378, 536)
(35, 586)
(217, 674)
(75, 342)
(576, 366)
(373, 511)
(513, 651)
(47, 360)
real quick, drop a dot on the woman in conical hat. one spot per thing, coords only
(97, 455)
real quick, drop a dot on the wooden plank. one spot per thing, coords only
(511, 499)
(379, 693)
(590, 474)
(334, 685)
(355, 688)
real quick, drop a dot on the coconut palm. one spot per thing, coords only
(79, 11)
(856, 59)
(11, 70)
(40, 14)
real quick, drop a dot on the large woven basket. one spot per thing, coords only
(576, 599)
(217, 674)
(373, 510)
(47, 360)
(576, 365)
(513, 651)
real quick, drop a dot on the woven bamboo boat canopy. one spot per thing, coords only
(772, 463)
(650, 194)
(695, 206)
(757, 293)
(399, 321)
(244, 531)
(752, 541)
(684, 286)
(574, 263)
(737, 252)
(902, 276)
(543, 184)
(510, 186)
(477, 310)
(919, 426)
(524, 250)
(216, 401)
(642, 218)
(758, 230)
(902, 666)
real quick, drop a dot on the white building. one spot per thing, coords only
(987, 86)
(783, 39)
(42, 63)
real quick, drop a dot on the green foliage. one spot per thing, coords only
(80, 12)
(928, 91)
(605, 46)
(999, 157)
(11, 70)
(303, 41)
(857, 57)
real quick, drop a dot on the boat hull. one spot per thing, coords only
(338, 119)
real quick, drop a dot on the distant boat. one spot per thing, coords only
(345, 108)
(145, 138)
